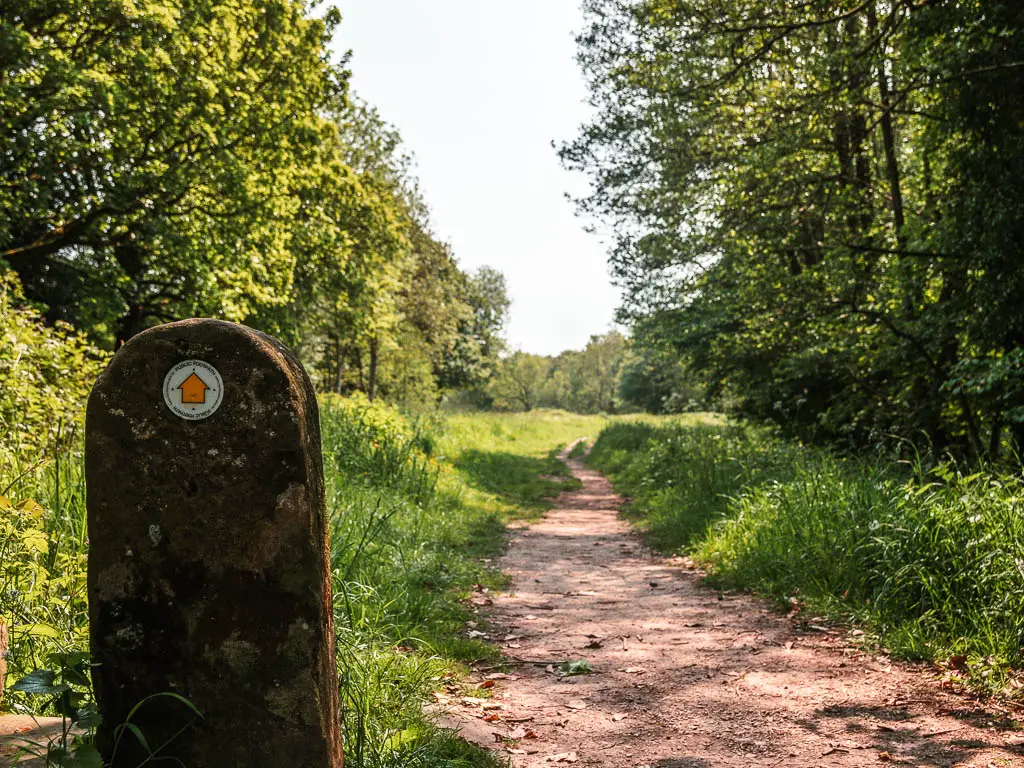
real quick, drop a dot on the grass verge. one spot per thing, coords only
(930, 561)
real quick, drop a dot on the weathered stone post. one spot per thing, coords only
(209, 571)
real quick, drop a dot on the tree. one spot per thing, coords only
(150, 153)
(520, 380)
(164, 160)
(654, 377)
(805, 199)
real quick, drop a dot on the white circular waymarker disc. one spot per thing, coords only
(193, 389)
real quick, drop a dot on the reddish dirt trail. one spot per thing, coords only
(683, 679)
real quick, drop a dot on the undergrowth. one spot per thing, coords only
(929, 560)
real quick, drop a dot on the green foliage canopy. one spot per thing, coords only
(816, 205)
(162, 159)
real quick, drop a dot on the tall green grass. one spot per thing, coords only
(931, 561)
(512, 457)
(403, 560)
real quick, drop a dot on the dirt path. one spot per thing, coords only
(686, 679)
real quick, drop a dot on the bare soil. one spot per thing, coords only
(684, 677)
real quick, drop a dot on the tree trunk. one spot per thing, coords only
(357, 356)
(995, 438)
(371, 389)
(130, 324)
(339, 365)
(892, 169)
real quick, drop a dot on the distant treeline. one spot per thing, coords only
(818, 207)
(610, 375)
(161, 160)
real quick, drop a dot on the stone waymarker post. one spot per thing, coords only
(209, 571)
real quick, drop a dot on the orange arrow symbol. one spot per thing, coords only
(193, 389)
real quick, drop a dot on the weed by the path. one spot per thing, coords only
(932, 562)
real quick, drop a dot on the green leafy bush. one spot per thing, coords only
(42, 566)
(45, 376)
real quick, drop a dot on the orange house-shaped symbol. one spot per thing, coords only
(193, 389)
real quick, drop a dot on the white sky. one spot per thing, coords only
(479, 89)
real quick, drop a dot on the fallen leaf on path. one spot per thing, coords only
(619, 716)
(474, 633)
(576, 667)
(563, 757)
(492, 718)
(634, 671)
(515, 751)
(576, 704)
(486, 684)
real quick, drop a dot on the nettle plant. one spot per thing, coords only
(42, 593)
(45, 376)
